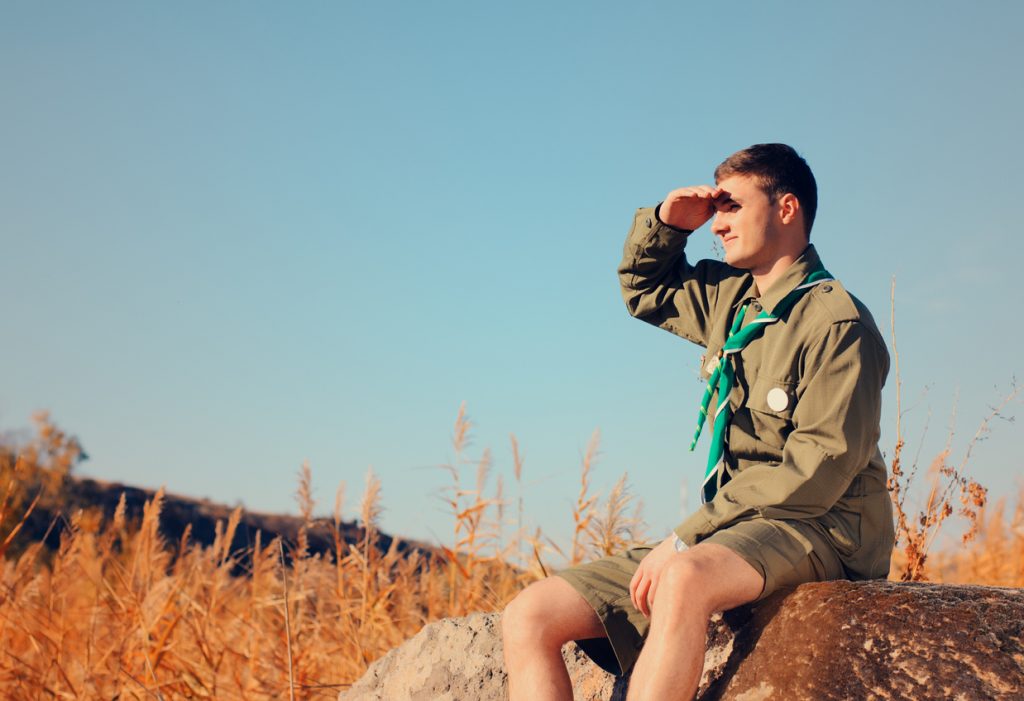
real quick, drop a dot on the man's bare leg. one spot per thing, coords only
(705, 579)
(535, 625)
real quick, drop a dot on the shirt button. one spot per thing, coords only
(757, 306)
(777, 399)
(826, 288)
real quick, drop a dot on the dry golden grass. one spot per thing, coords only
(997, 554)
(119, 613)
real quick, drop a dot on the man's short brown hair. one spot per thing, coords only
(778, 169)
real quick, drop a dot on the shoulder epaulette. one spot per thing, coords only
(835, 301)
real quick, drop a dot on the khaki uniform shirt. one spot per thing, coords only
(814, 462)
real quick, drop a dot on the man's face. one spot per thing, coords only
(745, 221)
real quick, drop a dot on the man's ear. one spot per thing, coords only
(788, 207)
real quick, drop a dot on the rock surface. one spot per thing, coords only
(461, 658)
(822, 641)
(880, 640)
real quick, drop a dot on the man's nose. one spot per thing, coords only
(718, 225)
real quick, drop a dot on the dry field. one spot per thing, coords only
(118, 613)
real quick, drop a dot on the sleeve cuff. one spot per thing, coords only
(657, 218)
(694, 529)
(650, 233)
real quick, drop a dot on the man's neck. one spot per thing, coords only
(766, 276)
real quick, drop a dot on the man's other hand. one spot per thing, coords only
(689, 207)
(645, 580)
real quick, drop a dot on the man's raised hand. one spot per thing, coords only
(689, 207)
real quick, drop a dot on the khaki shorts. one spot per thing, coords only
(786, 554)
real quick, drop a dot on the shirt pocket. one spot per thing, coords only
(771, 403)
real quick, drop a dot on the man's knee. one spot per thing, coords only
(530, 614)
(520, 614)
(708, 578)
(549, 612)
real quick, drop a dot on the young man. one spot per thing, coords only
(795, 489)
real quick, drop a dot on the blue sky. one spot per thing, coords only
(242, 235)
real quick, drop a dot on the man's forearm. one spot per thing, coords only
(658, 284)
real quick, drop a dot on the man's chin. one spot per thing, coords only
(736, 262)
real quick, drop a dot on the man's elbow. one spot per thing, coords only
(634, 300)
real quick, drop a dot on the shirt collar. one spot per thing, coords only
(794, 275)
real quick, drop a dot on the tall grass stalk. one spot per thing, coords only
(947, 483)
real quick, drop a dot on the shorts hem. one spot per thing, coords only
(621, 637)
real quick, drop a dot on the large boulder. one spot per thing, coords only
(822, 641)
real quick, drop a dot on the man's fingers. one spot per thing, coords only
(641, 595)
(688, 207)
(633, 584)
(637, 588)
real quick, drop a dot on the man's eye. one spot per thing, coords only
(733, 207)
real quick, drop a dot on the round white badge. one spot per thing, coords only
(777, 399)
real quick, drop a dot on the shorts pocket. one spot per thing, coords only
(843, 524)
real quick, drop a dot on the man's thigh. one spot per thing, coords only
(716, 579)
(782, 553)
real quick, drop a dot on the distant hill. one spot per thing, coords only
(47, 523)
